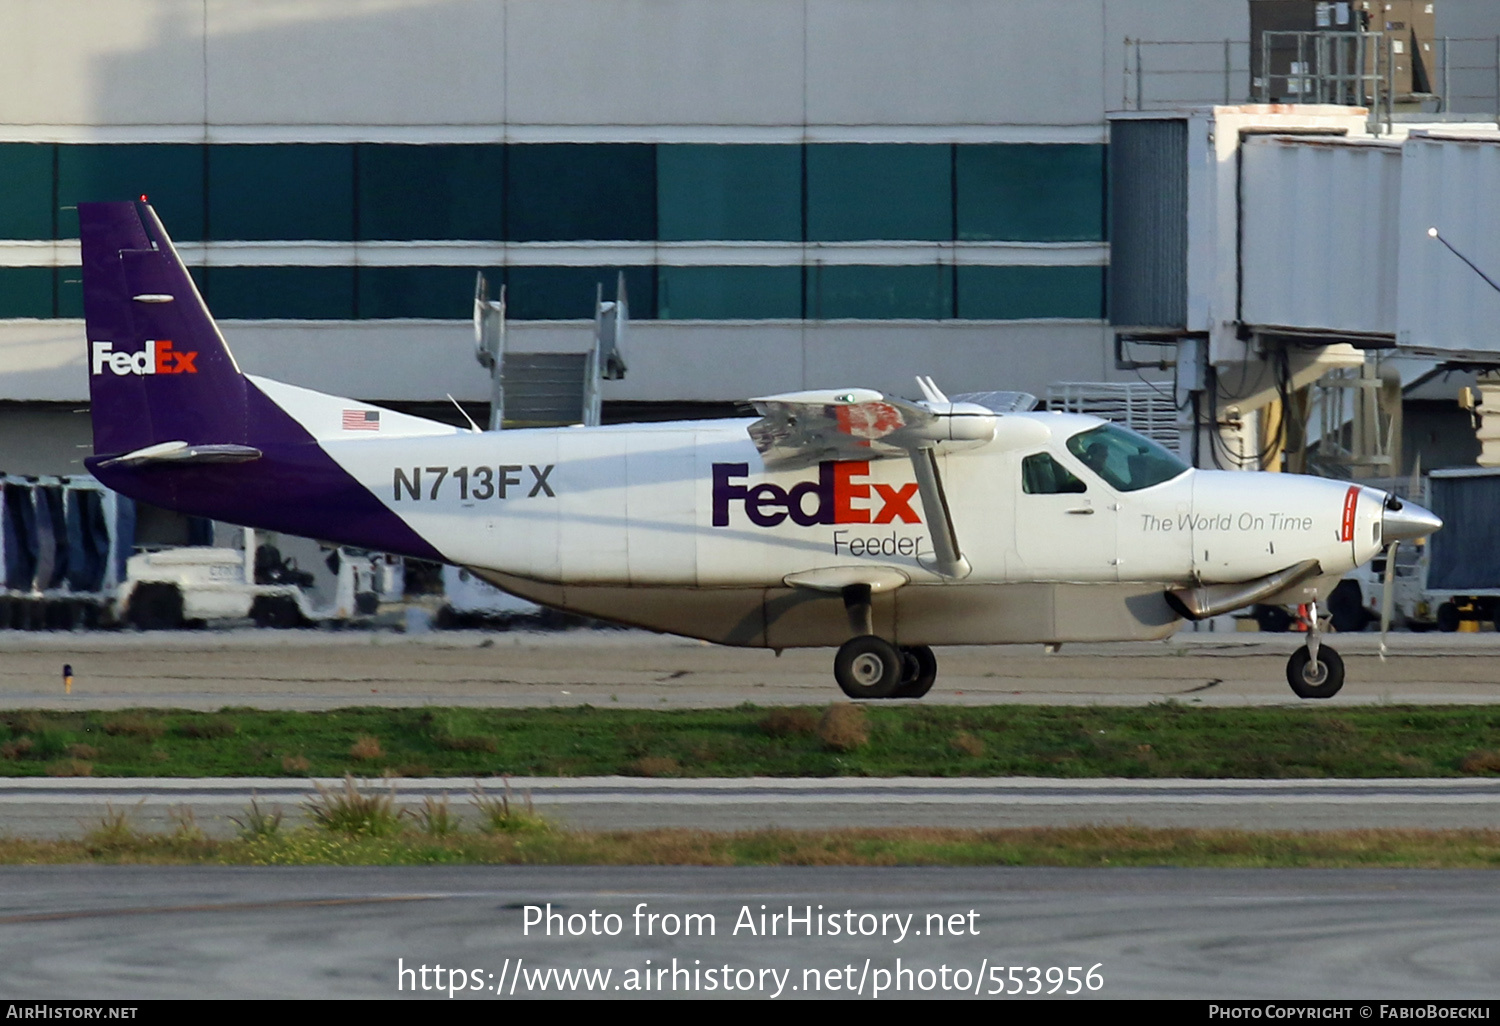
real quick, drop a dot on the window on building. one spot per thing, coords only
(880, 293)
(1030, 293)
(26, 183)
(567, 191)
(27, 291)
(729, 192)
(729, 293)
(1026, 192)
(170, 175)
(288, 192)
(281, 293)
(569, 293)
(859, 191)
(431, 192)
(441, 293)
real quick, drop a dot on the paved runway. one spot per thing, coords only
(147, 932)
(71, 807)
(631, 669)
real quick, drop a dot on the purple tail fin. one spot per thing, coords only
(159, 370)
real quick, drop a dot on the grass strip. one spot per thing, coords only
(1162, 740)
(1069, 847)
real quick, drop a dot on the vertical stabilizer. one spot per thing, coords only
(159, 370)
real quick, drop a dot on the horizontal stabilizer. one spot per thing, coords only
(182, 452)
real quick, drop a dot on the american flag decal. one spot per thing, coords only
(361, 420)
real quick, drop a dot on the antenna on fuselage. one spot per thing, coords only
(473, 427)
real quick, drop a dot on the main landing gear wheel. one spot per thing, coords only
(918, 671)
(1321, 679)
(868, 667)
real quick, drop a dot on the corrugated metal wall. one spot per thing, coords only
(1148, 205)
(1452, 185)
(1320, 223)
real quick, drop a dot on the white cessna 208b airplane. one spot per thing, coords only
(839, 518)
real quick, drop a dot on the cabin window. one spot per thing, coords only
(1043, 475)
(1125, 460)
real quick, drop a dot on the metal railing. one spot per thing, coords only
(1157, 74)
(1177, 72)
(1350, 68)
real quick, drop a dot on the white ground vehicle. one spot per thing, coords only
(74, 553)
(1455, 577)
(170, 587)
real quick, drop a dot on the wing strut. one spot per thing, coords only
(948, 558)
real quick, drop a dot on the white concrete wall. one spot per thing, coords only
(536, 69)
(679, 360)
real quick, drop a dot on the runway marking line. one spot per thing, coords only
(250, 906)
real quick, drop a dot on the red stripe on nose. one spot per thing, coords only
(1351, 499)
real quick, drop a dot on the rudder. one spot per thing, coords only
(159, 370)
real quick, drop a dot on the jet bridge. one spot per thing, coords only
(1266, 246)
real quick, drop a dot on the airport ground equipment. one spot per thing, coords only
(1453, 582)
(75, 554)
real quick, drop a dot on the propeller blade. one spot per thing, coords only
(1387, 594)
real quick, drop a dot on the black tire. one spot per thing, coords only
(868, 667)
(918, 672)
(276, 612)
(1305, 679)
(1448, 617)
(155, 607)
(1273, 619)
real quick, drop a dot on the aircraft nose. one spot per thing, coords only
(1406, 521)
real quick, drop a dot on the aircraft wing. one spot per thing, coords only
(803, 428)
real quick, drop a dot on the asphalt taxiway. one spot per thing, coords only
(633, 669)
(138, 932)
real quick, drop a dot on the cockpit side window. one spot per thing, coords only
(1043, 475)
(1125, 460)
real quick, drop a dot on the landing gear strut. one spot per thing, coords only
(1315, 670)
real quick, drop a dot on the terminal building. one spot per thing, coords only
(799, 193)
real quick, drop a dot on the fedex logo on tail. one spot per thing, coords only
(157, 358)
(831, 499)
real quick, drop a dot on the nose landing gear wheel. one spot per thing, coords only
(868, 667)
(918, 671)
(1315, 680)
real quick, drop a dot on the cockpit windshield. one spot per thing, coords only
(1126, 461)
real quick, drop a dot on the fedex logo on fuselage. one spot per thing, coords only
(831, 499)
(157, 358)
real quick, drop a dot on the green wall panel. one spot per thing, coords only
(858, 191)
(171, 175)
(569, 293)
(729, 293)
(431, 192)
(281, 293)
(1024, 192)
(707, 191)
(27, 291)
(292, 192)
(427, 292)
(571, 191)
(880, 293)
(1024, 293)
(26, 190)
